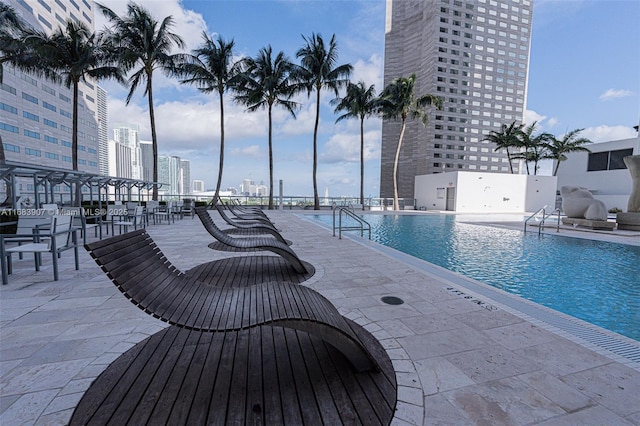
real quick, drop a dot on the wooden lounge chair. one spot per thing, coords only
(141, 271)
(250, 243)
(244, 228)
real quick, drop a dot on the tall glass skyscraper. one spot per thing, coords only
(475, 55)
(36, 114)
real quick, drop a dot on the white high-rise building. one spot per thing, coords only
(198, 185)
(35, 113)
(475, 55)
(128, 134)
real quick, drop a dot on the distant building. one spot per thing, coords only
(475, 55)
(198, 185)
(146, 155)
(103, 134)
(172, 172)
(185, 170)
(128, 135)
(36, 114)
(119, 156)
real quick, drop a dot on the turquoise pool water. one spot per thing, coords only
(595, 281)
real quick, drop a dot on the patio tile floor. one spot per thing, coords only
(456, 361)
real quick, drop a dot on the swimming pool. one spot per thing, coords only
(595, 281)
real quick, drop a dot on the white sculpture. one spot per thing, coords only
(579, 203)
(633, 164)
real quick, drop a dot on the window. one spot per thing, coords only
(48, 89)
(8, 128)
(50, 123)
(34, 152)
(64, 98)
(48, 106)
(50, 139)
(608, 160)
(29, 98)
(11, 148)
(51, 155)
(65, 113)
(30, 116)
(31, 134)
(615, 158)
(8, 88)
(9, 108)
(66, 143)
(67, 159)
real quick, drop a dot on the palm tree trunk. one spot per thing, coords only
(74, 143)
(509, 159)
(270, 161)
(221, 164)
(316, 200)
(555, 171)
(396, 203)
(154, 140)
(362, 161)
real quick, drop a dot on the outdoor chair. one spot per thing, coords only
(28, 219)
(135, 219)
(163, 212)
(187, 207)
(140, 270)
(114, 212)
(55, 238)
(250, 243)
(80, 221)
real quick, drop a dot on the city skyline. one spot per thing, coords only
(568, 86)
(578, 78)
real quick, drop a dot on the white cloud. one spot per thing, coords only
(345, 147)
(370, 71)
(249, 151)
(530, 116)
(614, 94)
(552, 122)
(605, 133)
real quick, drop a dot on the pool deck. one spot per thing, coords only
(460, 356)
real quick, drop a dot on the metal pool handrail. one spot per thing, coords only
(362, 224)
(544, 217)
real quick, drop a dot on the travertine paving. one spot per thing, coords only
(456, 361)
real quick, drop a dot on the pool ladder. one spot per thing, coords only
(544, 217)
(362, 225)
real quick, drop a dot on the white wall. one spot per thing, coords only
(609, 186)
(486, 192)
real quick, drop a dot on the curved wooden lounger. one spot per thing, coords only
(257, 226)
(250, 243)
(143, 274)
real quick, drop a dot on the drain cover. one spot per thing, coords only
(392, 300)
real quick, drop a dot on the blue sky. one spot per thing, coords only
(584, 73)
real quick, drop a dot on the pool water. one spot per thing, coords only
(595, 281)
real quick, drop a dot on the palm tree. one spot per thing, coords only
(69, 55)
(266, 82)
(399, 101)
(318, 71)
(142, 41)
(534, 147)
(11, 26)
(506, 138)
(359, 102)
(557, 148)
(210, 68)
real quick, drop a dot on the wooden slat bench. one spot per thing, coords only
(141, 271)
(261, 243)
(261, 376)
